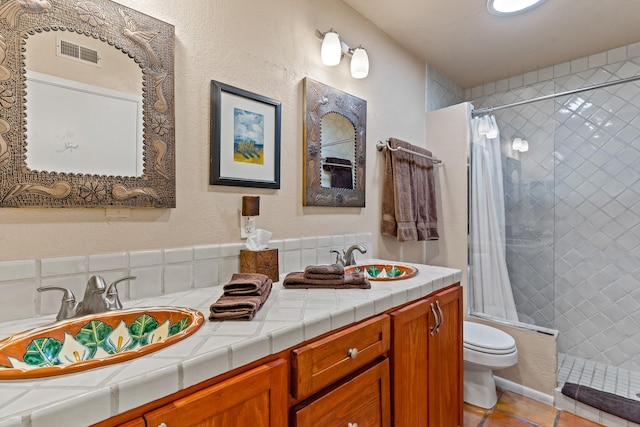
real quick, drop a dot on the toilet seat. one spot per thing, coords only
(488, 340)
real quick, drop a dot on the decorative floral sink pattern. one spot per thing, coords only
(384, 271)
(92, 341)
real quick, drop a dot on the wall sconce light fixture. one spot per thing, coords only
(250, 210)
(519, 144)
(333, 49)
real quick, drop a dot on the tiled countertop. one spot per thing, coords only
(289, 317)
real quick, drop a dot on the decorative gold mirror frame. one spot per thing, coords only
(150, 43)
(319, 100)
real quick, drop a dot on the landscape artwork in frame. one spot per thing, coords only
(245, 138)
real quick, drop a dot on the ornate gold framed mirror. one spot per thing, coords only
(335, 126)
(86, 106)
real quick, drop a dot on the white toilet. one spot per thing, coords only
(485, 349)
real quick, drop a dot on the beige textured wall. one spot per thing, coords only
(263, 47)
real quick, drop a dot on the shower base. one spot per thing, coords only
(599, 376)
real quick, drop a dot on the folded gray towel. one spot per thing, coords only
(619, 406)
(324, 269)
(245, 284)
(239, 307)
(324, 272)
(297, 280)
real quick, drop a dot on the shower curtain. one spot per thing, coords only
(491, 287)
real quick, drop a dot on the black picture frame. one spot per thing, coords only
(245, 138)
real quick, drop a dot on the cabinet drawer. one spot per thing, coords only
(326, 360)
(361, 401)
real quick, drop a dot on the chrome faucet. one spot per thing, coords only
(98, 298)
(347, 257)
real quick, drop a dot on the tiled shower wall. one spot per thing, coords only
(441, 91)
(573, 202)
(158, 272)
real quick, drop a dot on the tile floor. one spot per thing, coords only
(514, 410)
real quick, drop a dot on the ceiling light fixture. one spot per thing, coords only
(333, 49)
(511, 7)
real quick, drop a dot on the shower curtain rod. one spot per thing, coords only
(480, 111)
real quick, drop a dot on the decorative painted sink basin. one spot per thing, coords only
(379, 271)
(95, 340)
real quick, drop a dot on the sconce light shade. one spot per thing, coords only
(331, 50)
(250, 205)
(516, 144)
(359, 63)
(519, 144)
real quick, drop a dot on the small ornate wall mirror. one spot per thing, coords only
(335, 147)
(86, 106)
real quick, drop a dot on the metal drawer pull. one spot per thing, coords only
(353, 353)
(441, 316)
(162, 425)
(352, 425)
(436, 327)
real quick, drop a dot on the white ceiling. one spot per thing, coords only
(462, 40)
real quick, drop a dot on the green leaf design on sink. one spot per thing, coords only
(384, 271)
(93, 334)
(43, 352)
(78, 344)
(394, 272)
(373, 271)
(102, 340)
(141, 327)
(179, 326)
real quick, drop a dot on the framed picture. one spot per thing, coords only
(245, 138)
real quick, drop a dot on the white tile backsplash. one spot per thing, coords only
(145, 258)
(63, 266)
(158, 272)
(178, 255)
(105, 262)
(16, 270)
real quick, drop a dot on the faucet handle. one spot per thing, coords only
(112, 293)
(113, 289)
(68, 305)
(339, 256)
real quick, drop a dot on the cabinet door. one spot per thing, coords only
(257, 398)
(410, 334)
(426, 361)
(362, 401)
(445, 358)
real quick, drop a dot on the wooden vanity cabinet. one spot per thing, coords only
(361, 401)
(256, 398)
(344, 377)
(426, 361)
(400, 368)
